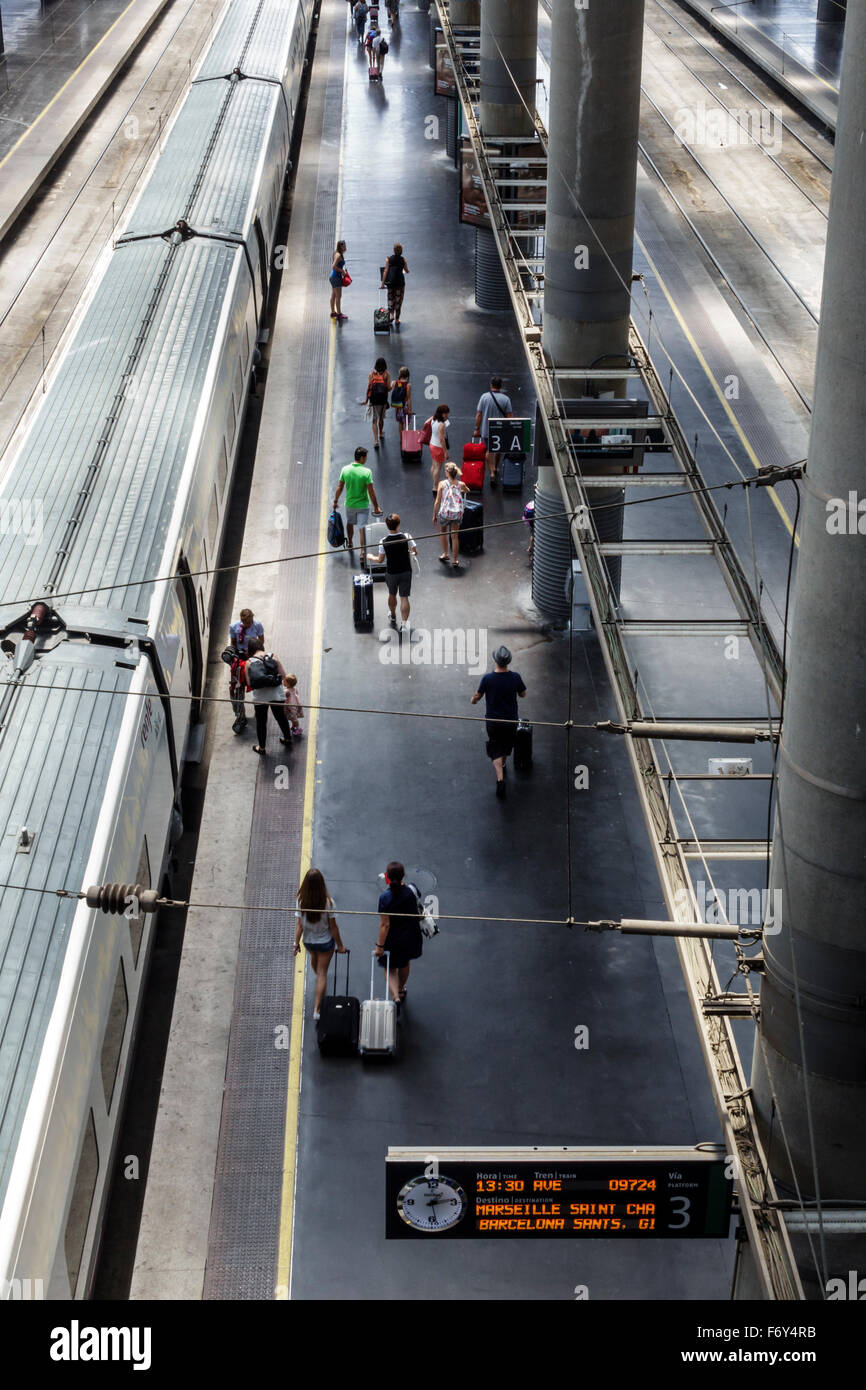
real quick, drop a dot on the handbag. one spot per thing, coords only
(347, 279)
(427, 922)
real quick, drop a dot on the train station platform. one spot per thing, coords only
(266, 1176)
(789, 42)
(58, 65)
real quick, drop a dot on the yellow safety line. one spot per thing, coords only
(726, 405)
(290, 1147)
(69, 79)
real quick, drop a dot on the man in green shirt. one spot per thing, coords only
(357, 479)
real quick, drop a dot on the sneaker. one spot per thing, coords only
(500, 790)
(392, 621)
(316, 1014)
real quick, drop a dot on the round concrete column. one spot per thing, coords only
(809, 1073)
(592, 171)
(465, 12)
(509, 40)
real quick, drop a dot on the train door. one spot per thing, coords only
(190, 606)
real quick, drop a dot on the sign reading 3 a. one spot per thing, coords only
(509, 436)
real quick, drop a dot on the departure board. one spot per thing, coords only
(554, 1193)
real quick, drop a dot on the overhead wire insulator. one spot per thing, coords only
(117, 897)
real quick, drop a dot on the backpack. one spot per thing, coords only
(262, 671)
(383, 47)
(427, 431)
(336, 534)
(378, 390)
(451, 507)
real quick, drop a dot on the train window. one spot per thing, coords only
(82, 1200)
(115, 1030)
(222, 466)
(136, 924)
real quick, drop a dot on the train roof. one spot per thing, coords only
(56, 751)
(264, 52)
(124, 529)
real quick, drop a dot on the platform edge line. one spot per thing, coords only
(290, 1151)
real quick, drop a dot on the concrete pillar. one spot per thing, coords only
(552, 550)
(465, 12)
(831, 11)
(509, 40)
(811, 1042)
(592, 171)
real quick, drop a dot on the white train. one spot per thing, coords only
(123, 469)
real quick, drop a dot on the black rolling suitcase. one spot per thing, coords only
(339, 1020)
(381, 319)
(362, 602)
(471, 532)
(511, 472)
(523, 745)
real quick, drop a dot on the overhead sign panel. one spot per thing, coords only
(528, 1193)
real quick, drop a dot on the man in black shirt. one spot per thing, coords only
(500, 689)
(396, 549)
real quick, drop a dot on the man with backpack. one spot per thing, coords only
(357, 479)
(493, 403)
(360, 16)
(397, 549)
(265, 676)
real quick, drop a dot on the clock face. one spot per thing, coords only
(432, 1204)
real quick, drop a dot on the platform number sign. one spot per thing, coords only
(512, 436)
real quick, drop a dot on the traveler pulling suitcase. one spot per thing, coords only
(338, 1022)
(362, 602)
(378, 1035)
(511, 472)
(471, 533)
(410, 443)
(472, 472)
(523, 745)
(381, 317)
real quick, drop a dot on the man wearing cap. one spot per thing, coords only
(500, 689)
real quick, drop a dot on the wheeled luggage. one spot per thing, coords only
(410, 443)
(338, 1023)
(362, 602)
(378, 1035)
(375, 75)
(523, 745)
(511, 472)
(472, 472)
(381, 317)
(471, 532)
(374, 533)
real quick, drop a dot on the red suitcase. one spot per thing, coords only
(473, 466)
(410, 444)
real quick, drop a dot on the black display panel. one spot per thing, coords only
(489, 1198)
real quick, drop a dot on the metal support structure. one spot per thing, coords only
(809, 1076)
(775, 1267)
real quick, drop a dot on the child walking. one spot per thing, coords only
(294, 708)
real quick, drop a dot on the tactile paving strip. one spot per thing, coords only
(245, 1215)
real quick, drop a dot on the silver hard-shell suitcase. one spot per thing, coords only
(378, 1033)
